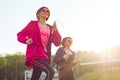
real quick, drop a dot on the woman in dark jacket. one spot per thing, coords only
(64, 60)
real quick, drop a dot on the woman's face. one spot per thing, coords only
(68, 42)
(44, 13)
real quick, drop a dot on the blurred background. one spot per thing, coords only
(93, 25)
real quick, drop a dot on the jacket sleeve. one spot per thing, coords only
(56, 38)
(24, 34)
(59, 56)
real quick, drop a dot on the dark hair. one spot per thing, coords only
(64, 40)
(38, 11)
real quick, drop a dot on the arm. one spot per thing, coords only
(75, 62)
(25, 33)
(56, 38)
(59, 56)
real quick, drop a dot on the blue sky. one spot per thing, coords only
(93, 24)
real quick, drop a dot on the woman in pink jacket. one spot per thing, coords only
(38, 36)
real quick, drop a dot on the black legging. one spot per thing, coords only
(39, 66)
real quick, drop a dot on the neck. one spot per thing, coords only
(66, 48)
(42, 24)
(42, 21)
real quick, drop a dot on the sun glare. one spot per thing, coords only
(95, 43)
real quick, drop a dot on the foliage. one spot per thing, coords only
(12, 66)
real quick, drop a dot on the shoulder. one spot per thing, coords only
(60, 51)
(33, 21)
(72, 51)
(49, 25)
(60, 48)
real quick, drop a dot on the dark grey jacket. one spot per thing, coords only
(60, 62)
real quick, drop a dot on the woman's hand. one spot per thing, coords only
(66, 57)
(54, 27)
(78, 61)
(29, 41)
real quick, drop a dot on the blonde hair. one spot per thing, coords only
(38, 11)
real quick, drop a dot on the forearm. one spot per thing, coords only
(56, 38)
